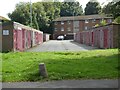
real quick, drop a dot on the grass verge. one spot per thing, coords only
(96, 64)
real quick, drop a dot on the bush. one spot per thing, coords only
(103, 22)
(97, 25)
(117, 20)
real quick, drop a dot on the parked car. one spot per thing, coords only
(60, 37)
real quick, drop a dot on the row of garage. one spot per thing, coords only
(25, 37)
(101, 37)
(18, 37)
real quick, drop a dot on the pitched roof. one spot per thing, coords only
(81, 17)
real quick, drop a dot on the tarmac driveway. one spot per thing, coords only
(60, 45)
(65, 84)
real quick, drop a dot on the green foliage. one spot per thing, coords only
(36, 22)
(71, 8)
(107, 9)
(92, 7)
(57, 6)
(0, 67)
(112, 8)
(96, 64)
(42, 14)
(103, 22)
(21, 13)
(117, 20)
(52, 10)
(96, 25)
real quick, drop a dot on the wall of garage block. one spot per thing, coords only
(18, 37)
(101, 37)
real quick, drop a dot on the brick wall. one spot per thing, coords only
(82, 26)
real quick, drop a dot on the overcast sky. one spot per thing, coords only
(7, 6)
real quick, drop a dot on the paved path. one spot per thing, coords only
(65, 84)
(60, 45)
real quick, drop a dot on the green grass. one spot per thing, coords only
(0, 67)
(96, 64)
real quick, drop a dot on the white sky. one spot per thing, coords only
(7, 6)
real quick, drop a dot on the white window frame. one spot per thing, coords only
(86, 21)
(62, 22)
(86, 28)
(62, 29)
(69, 22)
(68, 29)
(55, 29)
(93, 20)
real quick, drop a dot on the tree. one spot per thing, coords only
(40, 15)
(52, 10)
(112, 8)
(71, 8)
(21, 13)
(116, 9)
(107, 9)
(92, 7)
(103, 22)
(43, 13)
(117, 20)
(57, 7)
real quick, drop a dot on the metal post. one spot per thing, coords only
(30, 13)
(73, 21)
(31, 23)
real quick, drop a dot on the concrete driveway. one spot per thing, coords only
(60, 45)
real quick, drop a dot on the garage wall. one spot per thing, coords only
(7, 36)
(101, 37)
(18, 37)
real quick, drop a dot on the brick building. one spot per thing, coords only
(67, 26)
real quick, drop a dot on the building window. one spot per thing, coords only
(55, 29)
(94, 20)
(69, 22)
(68, 29)
(76, 23)
(55, 23)
(86, 21)
(62, 22)
(86, 28)
(62, 29)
